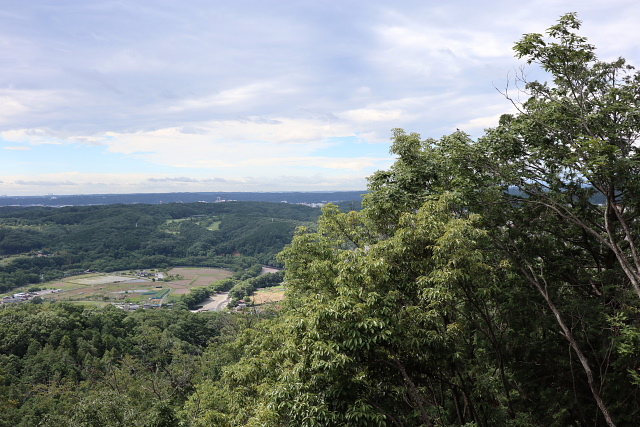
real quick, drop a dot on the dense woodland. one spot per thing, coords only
(448, 300)
(57, 242)
(63, 364)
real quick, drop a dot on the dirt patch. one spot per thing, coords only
(263, 296)
(202, 281)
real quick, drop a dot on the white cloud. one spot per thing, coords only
(236, 97)
(481, 123)
(30, 136)
(20, 102)
(45, 183)
(372, 115)
(230, 143)
(178, 179)
(345, 163)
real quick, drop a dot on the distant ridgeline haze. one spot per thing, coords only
(157, 198)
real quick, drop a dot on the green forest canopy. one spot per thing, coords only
(446, 301)
(56, 242)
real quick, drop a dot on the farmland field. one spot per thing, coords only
(128, 287)
(200, 276)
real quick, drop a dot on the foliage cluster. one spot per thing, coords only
(62, 364)
(481, 285)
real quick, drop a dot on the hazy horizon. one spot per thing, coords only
(181, 192)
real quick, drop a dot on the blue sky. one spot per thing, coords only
(161, 96)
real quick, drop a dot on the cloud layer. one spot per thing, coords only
(105, 96)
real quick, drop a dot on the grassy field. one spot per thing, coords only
(173, 225)
(214, 226)
(8, 258)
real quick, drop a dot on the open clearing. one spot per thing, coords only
(6, 259)
(216, 302)
(267, 295)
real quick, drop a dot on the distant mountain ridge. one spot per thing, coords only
(157, 198)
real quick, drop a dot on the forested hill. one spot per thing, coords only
(42, 243)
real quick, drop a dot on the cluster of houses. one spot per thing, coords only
(19, 297)
(24, 296)
(144, 273)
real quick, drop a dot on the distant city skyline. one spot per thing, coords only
(105, 97)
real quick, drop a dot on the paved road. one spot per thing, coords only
(216, 303)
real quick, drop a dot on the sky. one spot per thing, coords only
(143, 96)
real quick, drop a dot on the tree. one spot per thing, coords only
(571, 155)
(577, 138)
(484, 282)
(376, 331)
(398, 320)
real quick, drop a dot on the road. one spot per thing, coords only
(216, 303)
